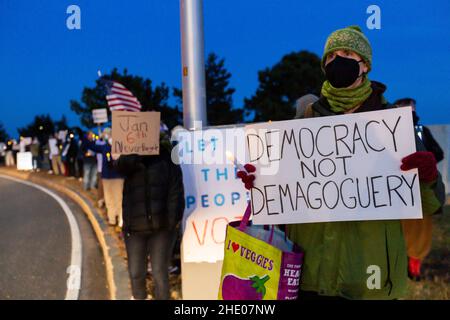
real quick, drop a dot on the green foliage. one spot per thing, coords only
(61, 124)
(152, 98)
(41, 127)
(297, 74)
(219, 96)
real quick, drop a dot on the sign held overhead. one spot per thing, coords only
(100, 115)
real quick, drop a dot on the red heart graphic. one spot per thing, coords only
(235, 246)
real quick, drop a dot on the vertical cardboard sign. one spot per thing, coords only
(135, 132)
(214, 194)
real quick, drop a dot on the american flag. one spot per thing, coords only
(120, 98)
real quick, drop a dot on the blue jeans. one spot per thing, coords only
(157, 244)
(90, 175)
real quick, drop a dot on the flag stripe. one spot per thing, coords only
(115, 102)
(118, 85)
(124, 108)
(120, 98)
(124, 104)
(122, 91)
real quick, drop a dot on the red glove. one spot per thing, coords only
(425, 162)
(246, 175)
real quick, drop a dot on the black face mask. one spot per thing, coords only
(342, 72)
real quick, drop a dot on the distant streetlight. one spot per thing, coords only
(41, 128)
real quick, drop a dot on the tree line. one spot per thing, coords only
(279, 86)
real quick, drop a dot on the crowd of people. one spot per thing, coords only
(82, 156)
(150, 229)
(144, 195)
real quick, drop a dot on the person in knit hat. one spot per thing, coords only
(339, 255)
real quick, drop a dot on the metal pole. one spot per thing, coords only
(193, 63)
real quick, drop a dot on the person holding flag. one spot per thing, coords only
(152, 206)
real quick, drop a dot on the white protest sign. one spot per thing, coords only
(214, 195)
(62, 134)
(24, 161)
(27, 141)
(100, 115)
(135, 132)
(339, 168)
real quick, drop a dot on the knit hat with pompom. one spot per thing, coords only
(352, 39)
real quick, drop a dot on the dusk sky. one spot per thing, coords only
(44, 64)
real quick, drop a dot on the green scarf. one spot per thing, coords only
(344, 99)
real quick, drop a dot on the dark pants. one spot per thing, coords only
(71, 167)
(89, 175)
(159, 245)
(79, 168)
(36, 162)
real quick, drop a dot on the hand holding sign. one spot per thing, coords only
(246, 175)
(425, 162)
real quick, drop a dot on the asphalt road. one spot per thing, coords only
(35, 246)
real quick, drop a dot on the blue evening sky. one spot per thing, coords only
(43, 64)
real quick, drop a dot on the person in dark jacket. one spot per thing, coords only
(419, 232)
(9, 155)
(89, 163)
(69, 154)
(153, 204)
(34, 149)
(423, 132)
(111, 179)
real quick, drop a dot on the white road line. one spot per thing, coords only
(74, 270)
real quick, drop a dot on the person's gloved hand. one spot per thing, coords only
(425, 162)
(246, 175)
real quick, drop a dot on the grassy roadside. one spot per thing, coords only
(435, 284)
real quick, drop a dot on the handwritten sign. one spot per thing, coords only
(214, 195)
(100, 115)
(339, 168)
(135, 132)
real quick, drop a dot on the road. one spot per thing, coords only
(38, 243)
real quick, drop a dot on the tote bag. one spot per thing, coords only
(260, 263)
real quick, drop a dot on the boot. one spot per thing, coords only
(414, 269)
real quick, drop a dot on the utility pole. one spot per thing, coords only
(201, 280)
(193, 63)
